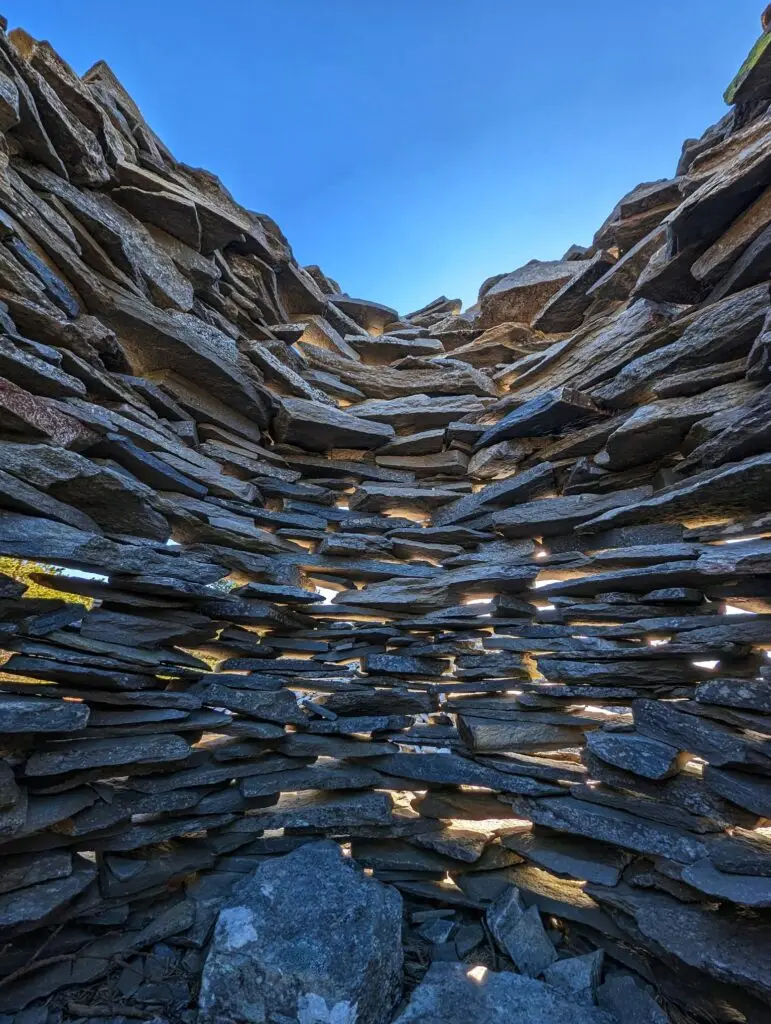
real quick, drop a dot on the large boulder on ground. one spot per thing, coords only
(459, 994)
(308, 937)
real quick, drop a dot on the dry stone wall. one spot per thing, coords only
(485, 594)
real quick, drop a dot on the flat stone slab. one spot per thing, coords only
(19, 714)
(320, 427)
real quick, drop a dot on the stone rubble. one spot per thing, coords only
(481, 597)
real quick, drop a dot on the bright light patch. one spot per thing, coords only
(731, 609)
(78, 574)
(326, 594)
(477, 974)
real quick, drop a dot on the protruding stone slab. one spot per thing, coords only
(320, 428)
(517, 297)
(637, 754)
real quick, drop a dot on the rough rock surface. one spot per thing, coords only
(307, 933)
(455, 994)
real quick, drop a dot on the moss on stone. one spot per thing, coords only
(756, 54)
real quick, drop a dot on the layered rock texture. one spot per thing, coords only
(482, 596)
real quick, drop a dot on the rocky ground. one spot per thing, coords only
(370, 667)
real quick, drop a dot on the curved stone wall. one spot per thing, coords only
(485, 595)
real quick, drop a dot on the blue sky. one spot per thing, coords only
(416, 147)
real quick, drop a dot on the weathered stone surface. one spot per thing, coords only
(372, 316)
(450, 463)
(418, 413)
(744, 889)
(739, 489)
(578, 976)
(555, 515)
(565, 310)
(446, 769)
(284, 944)
(717, 743)
(623, 997)
(750, 791)
(636, 754)
(20, 714)
(459, 994)
(657, 429)
(565, 856)
(520, 933)
(81, 754)
(520, 487)
(321, 428)
(613, 826)
(383, 497)
(386, 348)
(517, 297)
(486, 736)
(752, 81)
(549, 414)
(712, 941)
(24, 909)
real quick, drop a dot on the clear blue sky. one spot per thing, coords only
(414, 147)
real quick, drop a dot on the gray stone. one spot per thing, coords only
(752, 792)
(309, 937)
(752, 694)
(385, 348)
(419, 412)
(557, 515)
(583, 859)
(22, 872)
(320, 427)
(468, 938)
(628, 1001)
(488, 736)
(447, 769)
(550, 413)
(320, 812)
(462, 994)
(81, 754)
(711, 940)
(437, 932)
(715, 742)
(372, 316)
(520, 933)
(428, 442)
(610, 825)
(20, 714)
(25, 909)
(744, 889)
(578, 976)
(529, 484)
(637, 754)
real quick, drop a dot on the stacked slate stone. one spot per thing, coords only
(485, 594)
